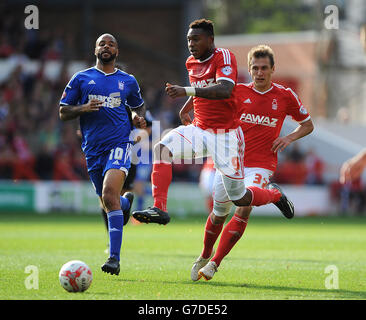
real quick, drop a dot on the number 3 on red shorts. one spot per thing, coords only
(258, 179)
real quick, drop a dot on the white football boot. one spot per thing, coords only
(208, 271)
(198, 264)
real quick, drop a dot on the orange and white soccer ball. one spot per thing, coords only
(75, 276)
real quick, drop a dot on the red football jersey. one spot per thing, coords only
(208, 113)
(262, 115)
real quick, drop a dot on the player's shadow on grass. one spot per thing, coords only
(193, 257)
(282, 260)
(343, 294)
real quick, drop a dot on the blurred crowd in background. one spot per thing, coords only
(36, 145)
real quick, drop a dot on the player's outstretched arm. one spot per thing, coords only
(353, 168)
(67, 112)
(302, 130)
(221, 90)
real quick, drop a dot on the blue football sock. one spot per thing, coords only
(115, 229)
(148, 191)
(140, 203)
(125, 204)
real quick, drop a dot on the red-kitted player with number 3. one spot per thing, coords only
(263, 106)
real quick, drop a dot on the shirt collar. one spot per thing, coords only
(106, 74)
(260, 92)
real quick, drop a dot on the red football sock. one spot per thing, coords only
(161, 177)
(212, 232)
(261, 197)
(230, 236)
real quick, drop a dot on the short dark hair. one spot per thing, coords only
(204, 24)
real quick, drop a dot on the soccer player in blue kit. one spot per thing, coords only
(99, 97)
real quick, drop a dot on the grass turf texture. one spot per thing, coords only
(275, 259)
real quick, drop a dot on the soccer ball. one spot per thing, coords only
(75, 276)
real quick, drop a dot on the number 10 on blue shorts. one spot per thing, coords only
(119, 158)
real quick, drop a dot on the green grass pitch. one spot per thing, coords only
(275, 259)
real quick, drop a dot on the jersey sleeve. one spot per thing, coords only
(134, 99)
(71, 94)
(295, 107)
(226, 66)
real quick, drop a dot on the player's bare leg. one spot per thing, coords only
(112, 186)
(161, 177)
(243, 212)
(104, 213)
(105, 220)
(126, 193)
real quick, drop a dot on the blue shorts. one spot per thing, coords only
(116, 158)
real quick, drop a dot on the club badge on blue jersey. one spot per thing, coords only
(121, 85)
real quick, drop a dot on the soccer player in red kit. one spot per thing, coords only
(214, 132)
(263, 106)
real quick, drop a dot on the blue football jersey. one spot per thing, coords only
(102, 129)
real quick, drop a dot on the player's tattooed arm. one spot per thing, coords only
(221, 90)
(140, 111)
(72, 112)
(138, 117)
